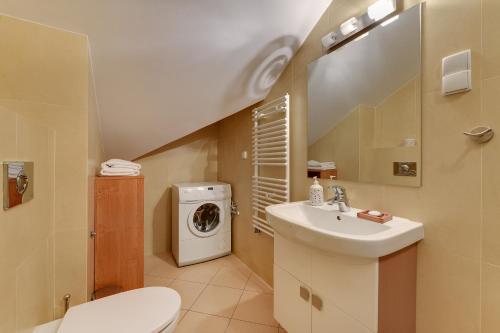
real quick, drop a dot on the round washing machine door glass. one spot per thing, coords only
(206, 219)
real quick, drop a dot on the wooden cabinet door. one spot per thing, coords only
(119, 226)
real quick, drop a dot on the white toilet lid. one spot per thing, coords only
(146, 310)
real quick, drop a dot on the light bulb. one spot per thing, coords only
(381, 8)
(349, 26)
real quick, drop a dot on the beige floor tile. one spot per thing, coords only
(203, 272)
(256, 284)
(238, 326)
(156, 281)
(256, 307)
(220, 301)
(234, 262)
(181, 315)
(189, 291)
(162, 265)
(194, 322)
(230, 277)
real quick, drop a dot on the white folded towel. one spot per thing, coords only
(313, 163)
(328, 165)
(107, 171)
(15, 168)
(117, 163)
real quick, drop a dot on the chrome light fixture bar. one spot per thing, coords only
(375, 13)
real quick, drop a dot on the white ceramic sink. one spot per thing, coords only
(327, 229)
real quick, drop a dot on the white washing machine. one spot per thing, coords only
(201, 222)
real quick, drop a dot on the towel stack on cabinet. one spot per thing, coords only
(119, 239)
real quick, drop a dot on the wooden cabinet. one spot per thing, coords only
(316, 292)
(119, 239)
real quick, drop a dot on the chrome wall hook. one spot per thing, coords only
(481, 134)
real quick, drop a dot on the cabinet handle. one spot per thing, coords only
(317, 302)
(304, 293)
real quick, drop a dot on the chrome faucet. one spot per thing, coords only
(339, 197)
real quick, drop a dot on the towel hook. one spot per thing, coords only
(481, 134)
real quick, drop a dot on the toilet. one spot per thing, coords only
(145, 310)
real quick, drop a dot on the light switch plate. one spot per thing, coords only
(457, 73)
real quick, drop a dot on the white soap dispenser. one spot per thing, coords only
(316, 193)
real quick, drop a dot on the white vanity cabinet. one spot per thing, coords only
(318, 293)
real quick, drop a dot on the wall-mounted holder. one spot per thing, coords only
(376, 13)
(481, 134)
(18, 183)
(405, 169)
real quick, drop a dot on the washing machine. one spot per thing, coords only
(201, 222)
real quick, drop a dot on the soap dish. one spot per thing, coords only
(385, 217)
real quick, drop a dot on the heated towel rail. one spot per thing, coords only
(271, 159)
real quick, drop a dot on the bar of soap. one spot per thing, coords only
(375, 213)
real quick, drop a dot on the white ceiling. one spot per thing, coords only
(364, 71)
(164, 69)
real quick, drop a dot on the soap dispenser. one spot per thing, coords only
(316, 193)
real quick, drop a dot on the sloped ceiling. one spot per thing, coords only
(164, 69)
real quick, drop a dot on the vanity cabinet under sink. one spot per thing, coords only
(317, 292)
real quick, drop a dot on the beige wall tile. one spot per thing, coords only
(34, 295)
(42, 64)
(44, 83)
(234, 136)
(190, 159)
(70, 267)
(448, 290)
(490, 319)
(449, 26)
(490, 65)
(491, 176)
(8, 301)
(8, 135)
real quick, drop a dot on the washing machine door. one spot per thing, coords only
(206, 219)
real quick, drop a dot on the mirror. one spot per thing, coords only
(17, 183)
(365, 106)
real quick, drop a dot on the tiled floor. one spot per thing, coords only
(222, 295)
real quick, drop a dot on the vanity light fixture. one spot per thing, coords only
(375, 13)
(349, 26)
(381, 9)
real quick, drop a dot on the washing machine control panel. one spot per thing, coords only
(204, 193)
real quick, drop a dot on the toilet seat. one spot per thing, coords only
(146, 310)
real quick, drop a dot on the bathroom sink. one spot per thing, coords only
(327, 229)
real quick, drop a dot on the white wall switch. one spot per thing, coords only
(457, 73)
(244, 154)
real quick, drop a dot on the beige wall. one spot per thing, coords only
(459, 260)
(95, 158)
(235, 135)
(43, 118)
(190, 159)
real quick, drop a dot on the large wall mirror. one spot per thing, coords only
(365, 106)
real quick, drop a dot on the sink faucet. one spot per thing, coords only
(339, 197)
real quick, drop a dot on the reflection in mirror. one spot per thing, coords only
(365, 106)
(17, 183)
